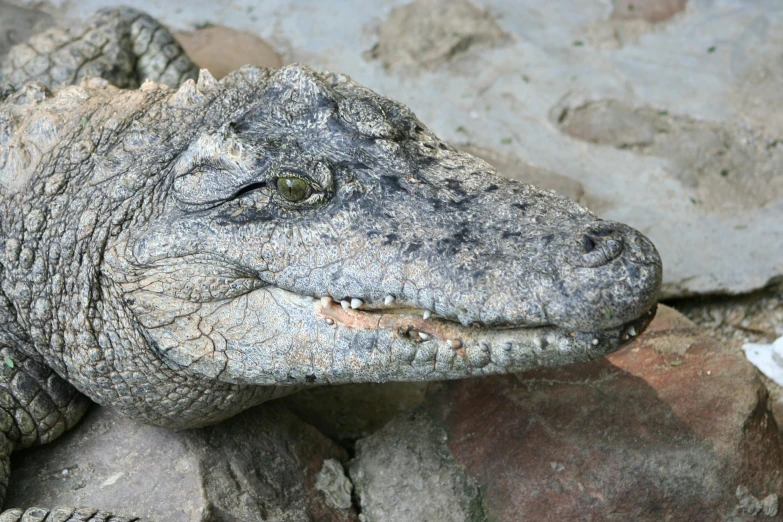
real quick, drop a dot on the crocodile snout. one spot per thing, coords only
(601, 244)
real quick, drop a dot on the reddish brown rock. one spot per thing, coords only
(672, 427)
(647, 10)
(222, 49)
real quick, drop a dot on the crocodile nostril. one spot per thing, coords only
(600, 246)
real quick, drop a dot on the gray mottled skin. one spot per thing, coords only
(151, 260)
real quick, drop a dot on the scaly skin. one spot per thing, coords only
(181, 255)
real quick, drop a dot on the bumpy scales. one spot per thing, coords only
(183, 250)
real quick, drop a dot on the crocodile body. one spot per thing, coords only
(180, 248)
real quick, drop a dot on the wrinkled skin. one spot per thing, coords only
(181, 255)
(393, 211)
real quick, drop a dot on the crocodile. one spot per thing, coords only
(181, 248)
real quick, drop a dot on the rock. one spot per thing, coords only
(671, 427)
(259, 465)
(404, 473)
(429, 33)
(333, 483)
(728, 167)
(222, 49)
(647, 10)
(18, 23)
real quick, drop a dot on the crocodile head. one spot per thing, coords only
(313, 231)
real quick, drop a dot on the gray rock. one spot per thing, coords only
(260, 465)
(405, 473)
(331, 480)
(430, 33)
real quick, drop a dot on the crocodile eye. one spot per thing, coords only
(293, 189)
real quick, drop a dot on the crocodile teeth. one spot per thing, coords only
(454, 344)
(329, 321)
(345, 304)
(424, 336)
(326, 301)
(632, 331)
(426, 315)
(595, 342)
(356, 303)
(389, 300)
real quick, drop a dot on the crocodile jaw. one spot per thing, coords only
(284, 339)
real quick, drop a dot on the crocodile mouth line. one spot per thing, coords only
(411, 324)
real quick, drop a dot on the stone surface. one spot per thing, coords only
(259, 465)
(333, 483)
(672, 427)
(223, 49)
(647, 10)
(430, 33)
(405, 473)
(18, 23)
(727, 167)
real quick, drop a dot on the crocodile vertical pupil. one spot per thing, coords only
(292, 189)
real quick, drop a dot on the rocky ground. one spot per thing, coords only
(659, 113)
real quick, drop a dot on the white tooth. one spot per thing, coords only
(454, 344)
(329, 320)
(507, 346)
(424, 336)
(326, 301)
(426, 315)
(595, 342)
(345, 304)
(389, 300)
(538, 342)
(356, 303)
(632, 331)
